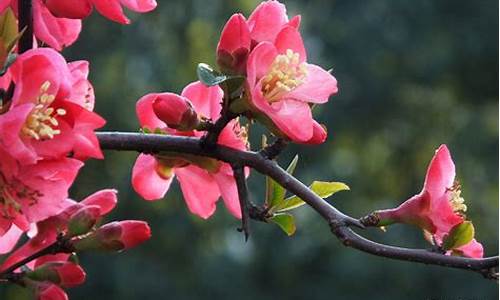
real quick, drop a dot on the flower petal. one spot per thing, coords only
(267, 20)
(145, 179)
(317, 87)
(440, 174)
(290, 38)
(206, 100)
(200, 190)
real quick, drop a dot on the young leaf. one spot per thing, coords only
(323, 189)
(461, 234)
(209, 76)
(286, 222)
(275, 193)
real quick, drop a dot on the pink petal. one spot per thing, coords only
(200, 190)
(259, 62)
(56, 32)
(473, 249)
(295, 21)
(229, 192)
(145, 179)
(139, 5)
(267, 20)
(317, 87)
(9, 239)
(105, 199)
(72, 9)
(82, 91)
(289, 38)
(319, 134)
(206, 100)
(440, 174)
(293, 118)
(235, 34)
(112, 10)
(145, 113)
(229, 136)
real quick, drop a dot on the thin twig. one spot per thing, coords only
(272, 151)
(26, 24)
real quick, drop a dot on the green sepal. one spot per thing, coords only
(460, 235)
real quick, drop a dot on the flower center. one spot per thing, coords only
(42, 123)
(457, 201)
(286, 73)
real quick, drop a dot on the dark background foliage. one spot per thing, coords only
(412, 75)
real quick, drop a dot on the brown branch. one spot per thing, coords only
(339, 222)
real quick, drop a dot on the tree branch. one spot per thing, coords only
(339, 222)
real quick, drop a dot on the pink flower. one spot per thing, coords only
(202, 180)
(438, 207)
(282, 86)
(31, 193)
(50, 114)
(240, 36)
(47, 230)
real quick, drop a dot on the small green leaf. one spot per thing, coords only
(275, 193)
(323, 189)
(209, 76)
(286, 222)
(461, 234)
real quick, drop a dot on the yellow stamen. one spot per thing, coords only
(286, 73)
(456, 200)
(42, 122)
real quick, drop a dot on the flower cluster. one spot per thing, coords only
(279, 90)
(47, 132)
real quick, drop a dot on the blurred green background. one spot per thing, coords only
(412, 75)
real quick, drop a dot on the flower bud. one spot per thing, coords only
(64, 274)
(116, 236)
(83, 220)
(49, 291)
(175, 111)
(234, 45)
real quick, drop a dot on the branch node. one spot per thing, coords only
(272, 151)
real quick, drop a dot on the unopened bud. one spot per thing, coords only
(175, 111)
(83, 220)
(64, 274)
(234, 46)
(115, 236)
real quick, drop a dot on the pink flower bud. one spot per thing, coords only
(83, 220)
(175, 111)
(116, 236)
(64, 274)
(49, 291)
(234, 45)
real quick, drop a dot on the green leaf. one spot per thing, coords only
(275, 193)
(323, 189)
(209, 76)
(286, 222)
(8, 29)
(461, 234)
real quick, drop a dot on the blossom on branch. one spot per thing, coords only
(437, 209)
(202, 180)
(51, 111)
